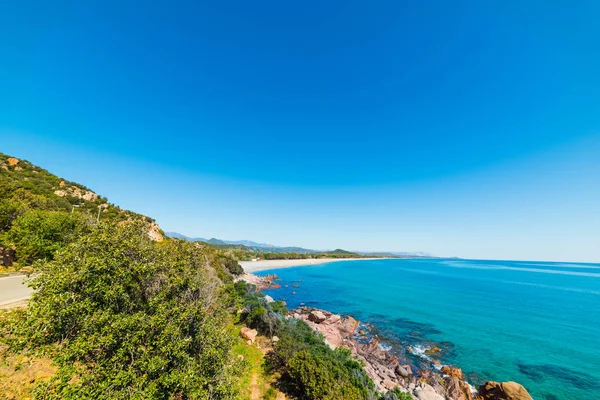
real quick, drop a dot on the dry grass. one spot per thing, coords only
(19, 374)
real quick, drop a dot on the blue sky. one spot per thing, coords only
(463, 128)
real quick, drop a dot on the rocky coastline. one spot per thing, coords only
(387, 370)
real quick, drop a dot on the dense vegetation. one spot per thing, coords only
(124, 315)
(132, 318)
(244, 253)
(41, 213)
(309, 368)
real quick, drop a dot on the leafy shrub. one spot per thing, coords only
(326, 375)
(270, 394)
(232, 265)
(260, 315)
(134, 319)
(308, 366)
(397, 394)
(9, 211)
(38, 234)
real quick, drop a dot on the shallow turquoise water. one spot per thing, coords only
(536, 323)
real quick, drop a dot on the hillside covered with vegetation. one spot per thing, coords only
(121, 312)
(41, 213)
(251, 250)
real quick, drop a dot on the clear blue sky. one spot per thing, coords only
(457, 128)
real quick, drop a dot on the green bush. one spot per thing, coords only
(133, 318)
(327, 376)
(9, 211)
(308, 366)
(260, 315)
(38, 234)
(397, 394)
(232, 265)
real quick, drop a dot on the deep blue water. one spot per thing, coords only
(536, 323)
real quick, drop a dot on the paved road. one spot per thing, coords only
(13, 290)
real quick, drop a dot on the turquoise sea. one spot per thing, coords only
(536, 323)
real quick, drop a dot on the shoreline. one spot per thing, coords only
(388, 367)
(265, 265)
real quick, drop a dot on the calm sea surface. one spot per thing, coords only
(536, 323)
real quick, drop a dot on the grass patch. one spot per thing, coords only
(257, 383)
(19, 373)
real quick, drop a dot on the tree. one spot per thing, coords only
(134, 319)
(38, 234)
(9, 211)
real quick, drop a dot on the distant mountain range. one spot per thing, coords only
(246, 243)
(289, 249)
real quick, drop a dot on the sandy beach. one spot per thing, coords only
(253, 266)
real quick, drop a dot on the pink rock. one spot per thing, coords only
(388, 384)
(316, 316)
(349, 325)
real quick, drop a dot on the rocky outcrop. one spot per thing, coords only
(503, 391)
(316, 317)
(380, 365)
(269, 299)
(457, 389)
(403, 370)
(385, 369)
(155, 233)
(452, 371)
(427, 393)
(74, 191)
(261, 282)
(349, 325)
(249, 334)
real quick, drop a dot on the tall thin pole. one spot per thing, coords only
(98, 218)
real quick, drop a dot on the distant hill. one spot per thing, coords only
(249, 244)
(40, 213)
(340, 251)
(254, 246)
(25, 186)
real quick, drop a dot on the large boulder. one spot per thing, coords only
(503, 391)
(403, 370)
(457, 389)
(427, 393)
(349, 325)
(316, 316)
(249, 334)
